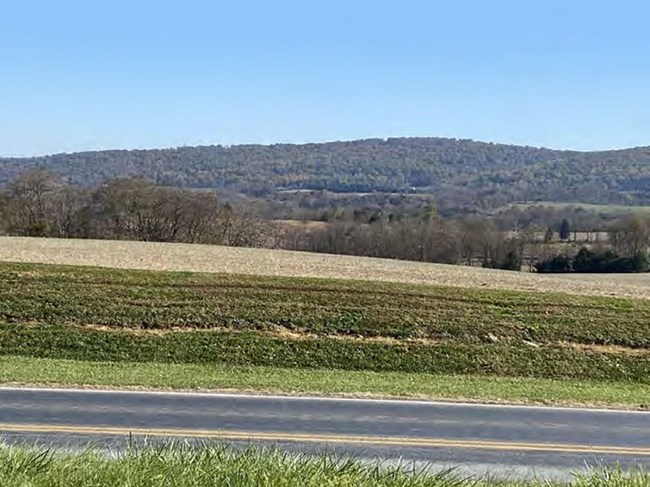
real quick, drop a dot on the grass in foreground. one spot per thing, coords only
(183, 466)
(25, 370)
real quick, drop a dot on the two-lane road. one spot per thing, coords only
(478, 438)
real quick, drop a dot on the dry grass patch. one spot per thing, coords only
(264, 262)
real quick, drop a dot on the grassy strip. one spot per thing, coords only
(183, 466)
(159, 300)
(23, 370)
(250, 348)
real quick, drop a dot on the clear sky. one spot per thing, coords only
(93, 74)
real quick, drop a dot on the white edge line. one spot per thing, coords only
(317, 398)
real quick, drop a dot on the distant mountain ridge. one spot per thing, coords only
(459, 172)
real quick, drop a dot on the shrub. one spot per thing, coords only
(557, 264)
(588, 261)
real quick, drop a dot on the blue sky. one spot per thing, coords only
(92, 74)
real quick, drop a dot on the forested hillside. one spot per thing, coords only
(460, 173)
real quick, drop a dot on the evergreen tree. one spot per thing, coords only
(565, 230)
(512, 261)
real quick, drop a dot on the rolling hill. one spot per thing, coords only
(459, 172)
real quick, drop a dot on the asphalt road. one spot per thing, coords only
(510, 440)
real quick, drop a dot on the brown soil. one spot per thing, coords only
(208, 258)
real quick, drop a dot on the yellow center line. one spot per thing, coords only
(326, 438)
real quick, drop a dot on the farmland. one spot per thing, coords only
(93, 315)
(264, 262)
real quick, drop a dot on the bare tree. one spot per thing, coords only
(29, 203)
(630, 235)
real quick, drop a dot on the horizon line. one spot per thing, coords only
(321, 142)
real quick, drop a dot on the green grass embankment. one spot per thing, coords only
(331, 382)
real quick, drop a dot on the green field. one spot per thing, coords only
(93, 315)
(182, 465)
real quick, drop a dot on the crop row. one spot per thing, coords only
(156, 300)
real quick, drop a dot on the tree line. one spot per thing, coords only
(37, 203)
(429, 238)
(601, 261)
